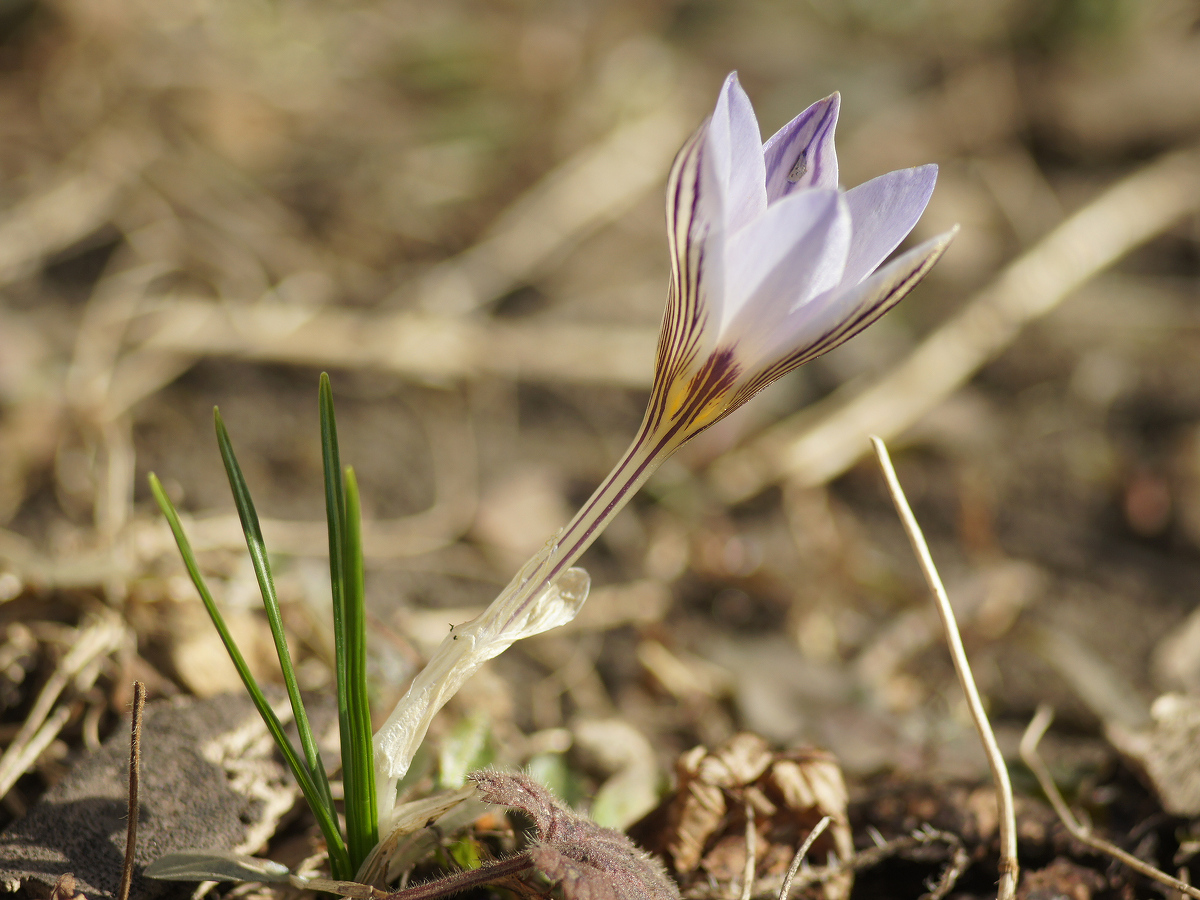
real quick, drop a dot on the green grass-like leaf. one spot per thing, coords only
(325, 815)
(266, 586)
(342, 510)
(358, 764)
(335, 515)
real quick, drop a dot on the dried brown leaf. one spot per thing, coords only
(701, 829)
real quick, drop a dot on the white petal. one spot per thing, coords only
(801, 153)
(884, 210)
(733, 151)
(795, 251)
(831, 320)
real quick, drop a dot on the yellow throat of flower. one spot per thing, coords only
(703, 396)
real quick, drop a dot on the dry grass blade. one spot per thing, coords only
(917, 844)
(751, 853)
(20, 757)
(422, 345)
(798, 859)
(1029, 755)
(352, 889)
(825, 440)
(1004, 797)
(593, 187)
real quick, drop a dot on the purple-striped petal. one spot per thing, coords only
(831, 320)
(884, 210)
(801, 154)
(794, 252)
(694, 236)
(733, 150)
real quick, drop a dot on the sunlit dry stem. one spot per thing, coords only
(1004, 797)
(1029, 755)
(751, 854)
(786, 887)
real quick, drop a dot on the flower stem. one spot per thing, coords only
(643, 456)
(523, 608)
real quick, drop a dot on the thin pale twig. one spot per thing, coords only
(801, 854)
(415, 345)
(751, 853)
(1004, 798)
(1029, 744)
(135, 762)
(907, 844)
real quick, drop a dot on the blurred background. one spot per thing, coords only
(456, 209)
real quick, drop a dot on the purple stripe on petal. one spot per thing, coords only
(801, 154)
(830, 321)
(689, 221)
(693, 231)
(716, 378)
(884, 210)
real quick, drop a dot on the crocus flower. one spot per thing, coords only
(772, 265)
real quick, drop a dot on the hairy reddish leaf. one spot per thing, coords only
(582, 859)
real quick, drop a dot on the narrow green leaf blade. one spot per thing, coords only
(335, 514)
(266, 585)
(338, 855)
(358, 764)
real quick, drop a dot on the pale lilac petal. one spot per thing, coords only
(884, 210)
(795, 251)
(831, 320)
(733, 148)
(801, 153)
